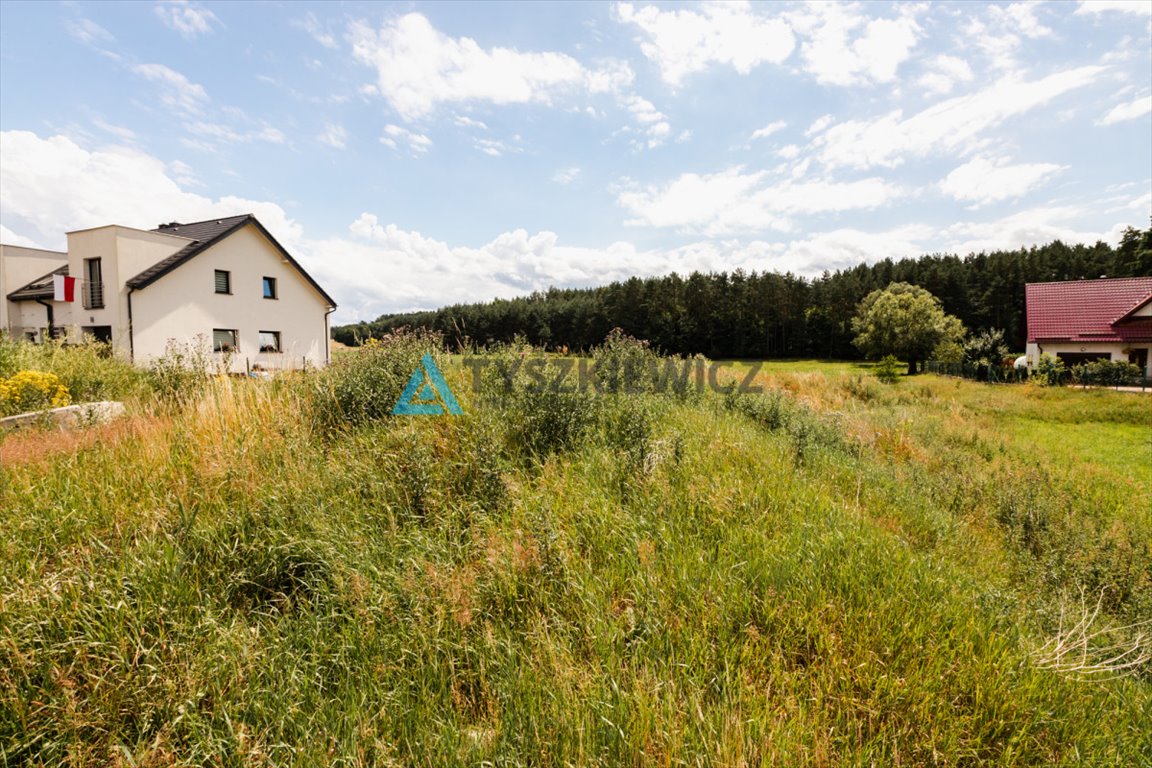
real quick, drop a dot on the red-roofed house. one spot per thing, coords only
(1083, 320)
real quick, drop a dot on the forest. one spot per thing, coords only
(768, 314)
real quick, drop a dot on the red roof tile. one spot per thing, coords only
(1087, 310)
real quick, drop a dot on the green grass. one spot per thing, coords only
(835, 573)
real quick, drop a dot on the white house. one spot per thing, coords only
(224, 282)
(1083, 320)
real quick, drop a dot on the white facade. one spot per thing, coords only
(1115, 351)
(181, 303)
(18, 267)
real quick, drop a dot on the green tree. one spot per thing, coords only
(903, 320)
(987, 351)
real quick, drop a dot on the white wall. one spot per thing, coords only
(183, 304)
(18, 267)
(1117, 351)
(124, 253)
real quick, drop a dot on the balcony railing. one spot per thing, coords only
(93, 295)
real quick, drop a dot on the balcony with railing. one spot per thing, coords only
(93, 292)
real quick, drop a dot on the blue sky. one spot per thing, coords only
(416, 155)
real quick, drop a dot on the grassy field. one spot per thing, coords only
(832, 572)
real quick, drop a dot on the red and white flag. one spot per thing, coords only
(63, 288)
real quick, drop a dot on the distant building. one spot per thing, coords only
(1084, 320)
(224, 282)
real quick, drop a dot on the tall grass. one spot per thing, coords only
(833, 572)
(91, 371)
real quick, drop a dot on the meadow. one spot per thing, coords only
(831, 572)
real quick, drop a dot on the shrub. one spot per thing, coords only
(986, 353)
(29, 391)
(1049, 371)
(181, 371)
(90, 371)
(93, 371)
(625, 364)
(364, 386)
(1108, 373)
(888, 371)
(11, 354)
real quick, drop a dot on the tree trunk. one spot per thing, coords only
(912, 367)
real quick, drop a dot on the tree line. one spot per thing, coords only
(768, 314)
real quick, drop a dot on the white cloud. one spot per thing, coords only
(819, 124)
(733, 201)
(768, 130)
(683, 42)
(119, 131)
(953, 125)
(789, 152)
(177, 92)
(316, 30)
(1022, 18)
(844, 248)
(845, 47)
(1036, 225)
(188, 18)
(88, 31)
(466, 122)
(184, 174)
(396, 136)
(943, 72)
(493, 147)
(653, 123)
(51, 185)
(226, 135)
(1127, 111)
(1137, 7)
(399, 270)
(982, 181)
(8, 237)
(334, 136)
(418, 68)
(566, 175)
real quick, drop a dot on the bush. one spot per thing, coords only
(1049, 371)
(1108, 373)
(986, 352)
(364, 385)
(888, 371)
(543, 421)
(625, 364)
(181, 371)
(11, 354)
(90, 371)
(29, 391)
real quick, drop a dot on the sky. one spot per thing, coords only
(416, 155)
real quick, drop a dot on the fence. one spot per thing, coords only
(1099, 374)
(991, 373)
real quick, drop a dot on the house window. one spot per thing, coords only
(223, 281)
(270, 341)
(93, 288)
(224, 340)
(270, 288)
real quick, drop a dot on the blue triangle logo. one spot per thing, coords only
(427, 393)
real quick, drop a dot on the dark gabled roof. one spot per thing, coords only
(1088, 310)
(40, 288)
(205, 234)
